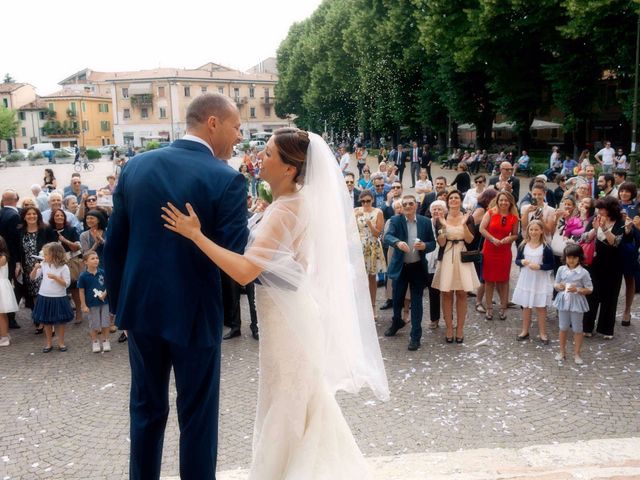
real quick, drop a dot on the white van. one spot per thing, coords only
(41, 147)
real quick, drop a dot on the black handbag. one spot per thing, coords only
(471, 256)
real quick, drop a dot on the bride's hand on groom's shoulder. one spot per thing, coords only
(186, 225)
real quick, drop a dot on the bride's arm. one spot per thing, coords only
(233, 264)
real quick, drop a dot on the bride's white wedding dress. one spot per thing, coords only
(317, 333)
(300, 432)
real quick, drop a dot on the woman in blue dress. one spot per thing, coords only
(627, 193)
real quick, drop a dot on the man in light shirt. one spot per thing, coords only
(605, 157)
(345, 158)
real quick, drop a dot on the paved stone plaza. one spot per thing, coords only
(65, 414)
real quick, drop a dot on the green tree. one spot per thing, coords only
(8, 123)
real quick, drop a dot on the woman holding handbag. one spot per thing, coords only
(453, 276)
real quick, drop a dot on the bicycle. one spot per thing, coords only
(86, 166)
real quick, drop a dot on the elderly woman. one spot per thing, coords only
(34, 234)
(628, 192)
(499, 227)
(370, 224)
(454, 277)
(609, 231)
(69, 238)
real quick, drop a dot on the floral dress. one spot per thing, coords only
(371, 246)
(30, 248)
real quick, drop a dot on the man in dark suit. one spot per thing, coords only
(9, 221)
(354, 193)
(411, 237)
(439, 186)
(415, 157)
(166, 292)
(506, 181)
(398, 157)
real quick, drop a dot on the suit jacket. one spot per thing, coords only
(515, 183)
(159, 282)
(356, 198)
(428, 199)
(397, 232)
(9, 231)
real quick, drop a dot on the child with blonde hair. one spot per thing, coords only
(52, 304)
(535, 286)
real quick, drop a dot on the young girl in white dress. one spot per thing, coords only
(317, 333)
(8, 302)
(535, 286)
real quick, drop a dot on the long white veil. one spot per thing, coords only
(309, 247)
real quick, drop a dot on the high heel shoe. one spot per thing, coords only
(626, 320)
(449, 339)
(459, 339)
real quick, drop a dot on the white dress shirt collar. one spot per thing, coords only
(193, 138)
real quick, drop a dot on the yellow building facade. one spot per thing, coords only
(152, 104)
(80, 118)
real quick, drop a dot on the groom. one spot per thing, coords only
(167, 293)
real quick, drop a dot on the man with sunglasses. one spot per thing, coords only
(380, 190)
(76, 187)
(354, 193)
(395, 193)
(506, 181)
(411, 237)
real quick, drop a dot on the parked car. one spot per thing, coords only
(257, 144)
(23, 151)
(70, 150)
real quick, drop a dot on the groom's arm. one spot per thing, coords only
(116, 244)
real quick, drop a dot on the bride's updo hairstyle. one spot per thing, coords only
(292, 145)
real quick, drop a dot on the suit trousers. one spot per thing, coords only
(412, 276)
(606, 289)
(400, 171)
(197, 376)
(250, 288)
(415, 171)
(230, 301)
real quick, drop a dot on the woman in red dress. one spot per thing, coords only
(499, 227)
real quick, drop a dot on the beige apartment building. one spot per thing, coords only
(151, 104)
(13, 96)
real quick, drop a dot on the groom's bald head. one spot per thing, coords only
(208, 105)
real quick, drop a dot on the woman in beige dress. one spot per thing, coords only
(453, 277)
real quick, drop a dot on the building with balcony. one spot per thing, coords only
(70, 117)
(13, 96)
(33, 117)
(152, 104)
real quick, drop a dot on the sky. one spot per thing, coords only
(47, 41)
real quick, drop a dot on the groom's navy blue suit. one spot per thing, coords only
(167, 294)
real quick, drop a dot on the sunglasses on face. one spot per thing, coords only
(349, 182)
(379, 186)
(408, 204)
(396, 186)
(478, 182)
(91, 199)
(365, 201)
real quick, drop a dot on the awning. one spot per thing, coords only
(140, 88)
(544, 125)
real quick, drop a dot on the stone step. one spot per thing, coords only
(608, 459)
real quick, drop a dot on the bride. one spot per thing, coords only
(317, 333)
